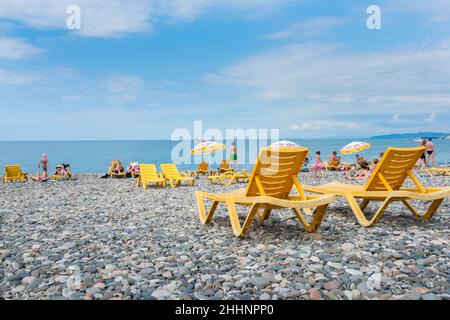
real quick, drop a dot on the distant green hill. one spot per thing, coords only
(417, 135)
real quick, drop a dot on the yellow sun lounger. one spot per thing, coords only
(385, 185)
(203, 169)
(68, 175)
(224, 166)
(438, 171)
(14, 173)
(229, 177)
(148, 174)
(114, 174)
(171, 174)
(269, 187)
(336, 165)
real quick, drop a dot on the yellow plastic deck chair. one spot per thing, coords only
(438, 171)
(171, 174)
(203, 169)
(385, 185)
(68, 175)
(148, 174)
(269, 187)
(114, 174)
(14, 173)
(229, 177)
(225, 166)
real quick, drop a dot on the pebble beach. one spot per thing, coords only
(95, 238)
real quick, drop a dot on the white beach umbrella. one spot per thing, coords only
(355, 146)
(208, 147)
(284, 144)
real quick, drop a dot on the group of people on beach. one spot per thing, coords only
(429, 154)
(42, 174)
(360, 169)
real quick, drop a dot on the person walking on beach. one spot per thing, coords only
(423, 157)
(430, 151)
(318, 165)
(233, 154)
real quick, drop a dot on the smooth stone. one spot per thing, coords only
(348, 247)
(259, 282)
(314, 294)
(264, 296)
(331, 285)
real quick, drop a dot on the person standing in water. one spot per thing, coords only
(430, 151)
(233, 153)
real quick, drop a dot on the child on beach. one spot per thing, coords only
(318, 165)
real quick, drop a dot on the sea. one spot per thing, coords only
(96, 156)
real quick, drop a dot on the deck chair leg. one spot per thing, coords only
(318, 215)
(359, 214)
(249, 219)
(430, 212)
(234, 218)
(364, 204)
(205, 218)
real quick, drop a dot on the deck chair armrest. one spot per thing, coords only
(433, 194)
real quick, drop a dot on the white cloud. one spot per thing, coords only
(333, 81)
(436, 11)
(323, 125)
(101, 18)
(192, 9)
(98, 18)
(16, 49)
(397, 119)
(307, 28)
(431, 118)
(10, 78)
(125, 88)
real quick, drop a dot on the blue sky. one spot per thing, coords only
(141, 69)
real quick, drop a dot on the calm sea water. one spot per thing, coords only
(95, 156)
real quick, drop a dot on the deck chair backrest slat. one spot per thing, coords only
(13, 171)
(203, 166)
(170, 170)
(394, 167)
(275, 169)
(225, 164)
(148, 171)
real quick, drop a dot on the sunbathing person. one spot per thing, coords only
(334, 159)
(62, 170)
(118, 168)
(364, 172)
